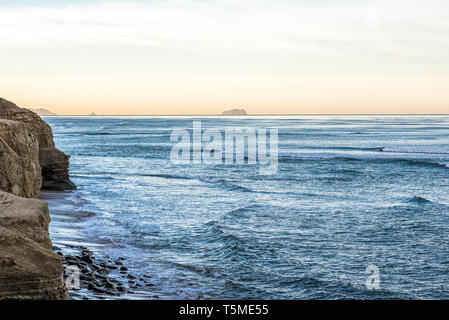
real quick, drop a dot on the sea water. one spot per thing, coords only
(351, 193)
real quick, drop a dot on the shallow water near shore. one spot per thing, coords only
(350, 192)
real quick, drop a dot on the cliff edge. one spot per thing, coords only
(54, 163)
(29, 161)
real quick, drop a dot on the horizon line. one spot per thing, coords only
(247, 115)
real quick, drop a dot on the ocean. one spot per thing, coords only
(351, 194)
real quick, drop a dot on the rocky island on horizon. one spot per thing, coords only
(235, 112)
(42, 112)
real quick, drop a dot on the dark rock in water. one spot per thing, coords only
(108, 285)
(86, 259)
(103, 271)
(99, 275)
(96, 289)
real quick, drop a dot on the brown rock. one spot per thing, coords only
(28, 217)
(29, 161)
(29, 269)
(54, 163)
(20, 172)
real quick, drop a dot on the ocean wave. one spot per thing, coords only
(101, 133)
(293, 157)
(419, 200)
(162, 175)
(339, 148)
(91, 176)
(306, 155)
(232, 186)
(225, 184)
(221, 183)
(428, 163)
(227, 239)
(341, 289)
(204, 270)
(418, 151)
(210, 180)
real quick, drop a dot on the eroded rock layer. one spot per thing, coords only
(20, 172)
(54, 163)
(29, 269)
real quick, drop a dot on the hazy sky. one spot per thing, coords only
(205, 56)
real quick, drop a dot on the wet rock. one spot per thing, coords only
(96, 289)
(103, 271)
(99, 276)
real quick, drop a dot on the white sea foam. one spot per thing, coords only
(410, 150)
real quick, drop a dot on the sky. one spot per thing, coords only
(206, 56)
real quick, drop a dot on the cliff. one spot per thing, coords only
(29, 161)
(29, 269)
(54, 163)
(20, 172)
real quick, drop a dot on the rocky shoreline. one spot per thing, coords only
(31, 266)
(101, 277)
(29, 162)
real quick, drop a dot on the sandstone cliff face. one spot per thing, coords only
(29, 269)
(54, 163)
(20, 172)
(29, 160)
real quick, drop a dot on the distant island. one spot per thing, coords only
(43, 112)
(235, 112)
